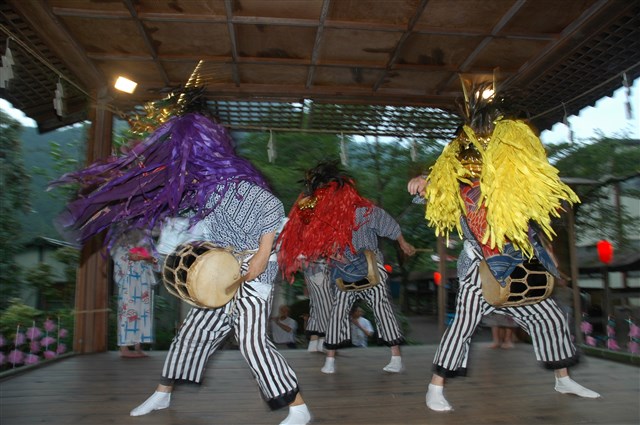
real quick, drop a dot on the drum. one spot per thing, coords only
(202, 274)
(371, 280)
(529, 283)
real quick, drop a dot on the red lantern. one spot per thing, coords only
(388, 268)
(605, 251)
(437, 278)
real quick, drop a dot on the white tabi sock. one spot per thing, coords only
(395, 365)
(321, 345)
(298, 415)
(157, 401)
(313, 346)
(566, 385)
(329, 365)
(436, 400)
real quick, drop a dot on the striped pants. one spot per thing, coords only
(339, 329)
(205, 330)
(544, 322)
(321, 297)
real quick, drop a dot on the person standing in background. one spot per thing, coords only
(133, 274)
(283, 328)
(361, 328)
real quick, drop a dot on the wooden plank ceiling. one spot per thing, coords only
(354, 66)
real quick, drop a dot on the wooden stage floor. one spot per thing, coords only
(504, 387)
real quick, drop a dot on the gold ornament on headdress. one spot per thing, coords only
(517, 184)
(159, 112)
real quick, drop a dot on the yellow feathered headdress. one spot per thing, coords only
(517, 184)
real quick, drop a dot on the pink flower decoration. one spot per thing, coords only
(33, 333)
(586, 327)
(47, 341)
(31, 359)
(20, 339)
(61, 348)
(611, 331)
(49, 354)
(34, 347)
(634, 331)
(62, 333)
(591, 341)
(612, 344)
(49, 325)
(141, 251)
(15, 357)
(634, 347)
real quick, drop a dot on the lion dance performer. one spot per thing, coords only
(331, 221)
(494, 184)
(187, 167)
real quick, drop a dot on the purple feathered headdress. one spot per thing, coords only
(173, 171)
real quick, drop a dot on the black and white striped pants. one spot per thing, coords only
(544, 321)
(205, 330)
(321, 298)
(339, 328)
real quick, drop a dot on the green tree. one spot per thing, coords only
(612, 167)
(14, 201)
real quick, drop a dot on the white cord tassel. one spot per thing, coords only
(6, 70)
(343, 151)
(58, 104)
(271, 148)
(565, 121)
(414, 150)
(627, 91)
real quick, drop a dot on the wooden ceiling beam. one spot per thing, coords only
(464, 67)
(315, 53)
(299, 92)
(285, 62)
(147, 40)
(234, 43)
(289, 93)
(295, 22)
(398, 47)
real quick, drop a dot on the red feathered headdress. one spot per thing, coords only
(320, 226)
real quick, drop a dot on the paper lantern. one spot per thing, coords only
(605, 251)
(437, 278)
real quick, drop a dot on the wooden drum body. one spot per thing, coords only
(529, 283)
(202, 274)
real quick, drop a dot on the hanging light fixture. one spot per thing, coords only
(437, 278)
(126, 85)
(605, 251)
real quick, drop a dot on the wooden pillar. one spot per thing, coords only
(573, 260)
(442, 288)
(92, 282)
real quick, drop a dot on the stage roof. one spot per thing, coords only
(384, 67)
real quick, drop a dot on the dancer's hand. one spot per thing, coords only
(417, 185)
